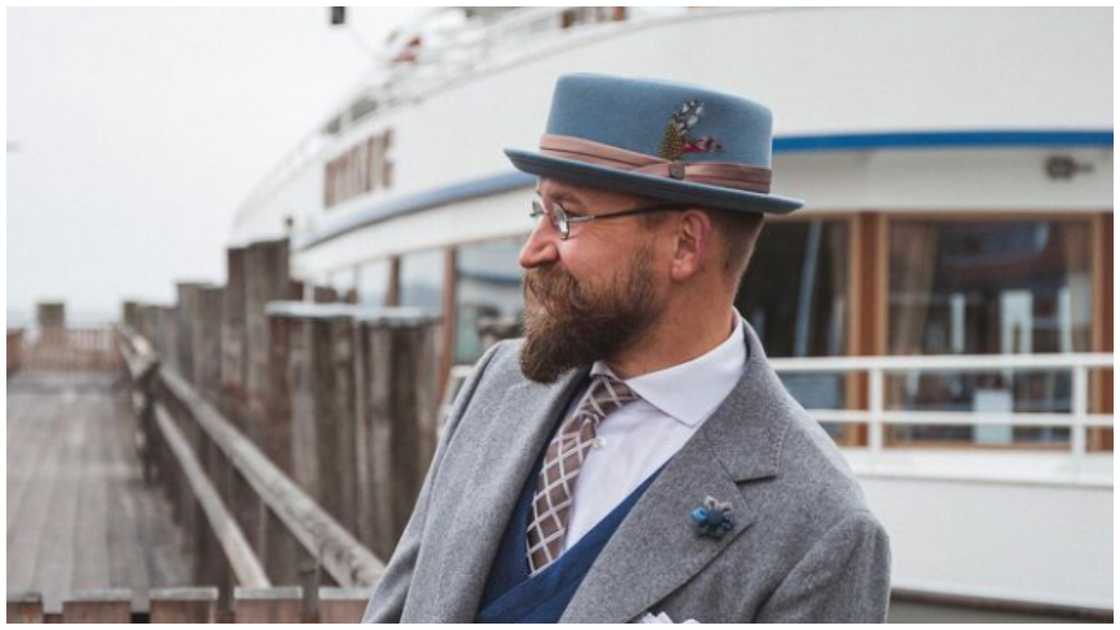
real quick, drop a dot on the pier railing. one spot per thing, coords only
(206, 466)
(63, 349)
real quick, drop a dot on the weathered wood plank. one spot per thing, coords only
(91, 533)
(348, 562)
(237, 550)
(282, 604)
(30, 451)
(126, 541)
(184, 605)
(342, 605)
(25, 608)
(109, 605)
(54, 559)
(233, 338)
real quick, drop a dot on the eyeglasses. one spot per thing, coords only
(562, 221)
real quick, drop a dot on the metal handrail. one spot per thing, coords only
(876, 416)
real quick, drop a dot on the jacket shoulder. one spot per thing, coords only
(816, 484)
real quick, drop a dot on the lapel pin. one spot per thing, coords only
(712, 518)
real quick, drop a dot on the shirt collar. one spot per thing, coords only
(689, 392)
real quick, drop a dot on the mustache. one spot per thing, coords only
(551, 287)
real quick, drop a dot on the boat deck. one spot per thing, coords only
(79, 514)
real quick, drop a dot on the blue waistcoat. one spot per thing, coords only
(511, 596)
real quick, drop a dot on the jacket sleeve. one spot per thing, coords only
(844, 577)
(386, 603)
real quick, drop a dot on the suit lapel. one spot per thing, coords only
(517, 432)
(657, 540)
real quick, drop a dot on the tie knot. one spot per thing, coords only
(608, 394)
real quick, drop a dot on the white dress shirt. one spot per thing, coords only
(637, 439)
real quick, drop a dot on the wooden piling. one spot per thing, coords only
(187, 320)
(196, 604)
(342, 605)
(207, 344)
(233, 338)
(51, 315)
(281, 604)
(396, 422)
(130, 313)
(313, 409)
(149, 322)
(25, 608)
(266, 278)
(168, 335)
(110, 605)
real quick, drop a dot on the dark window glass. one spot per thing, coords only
(421, 278)
(373, 283)
(795, 295)
(986, 287)
(487, 289)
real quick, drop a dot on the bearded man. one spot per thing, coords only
(634, 457)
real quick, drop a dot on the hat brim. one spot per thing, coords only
(651, 185)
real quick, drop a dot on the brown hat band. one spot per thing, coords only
(725, 174)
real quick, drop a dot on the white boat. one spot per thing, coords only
(943, 303)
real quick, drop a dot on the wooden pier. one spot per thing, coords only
(240, 455)
(79, 514)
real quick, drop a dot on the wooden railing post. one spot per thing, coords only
(233, 346)
(397, 354)
(130, 313)
(110, 605)
(281, 604)
(266, 278)
(187, 322)
(184, 605)
(311, 410)
(25, 608)
(208, 342)
(15, 349)
(168, 345)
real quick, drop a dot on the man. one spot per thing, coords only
(635, 457)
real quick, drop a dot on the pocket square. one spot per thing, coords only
(661, 617)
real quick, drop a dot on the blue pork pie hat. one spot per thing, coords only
(660, 139)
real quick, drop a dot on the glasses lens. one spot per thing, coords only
(560, 220)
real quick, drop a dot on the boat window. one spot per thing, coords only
(342, 283)
(421, 280)
(986, 287)
(487, 294)
(795, 295)
(373, 283)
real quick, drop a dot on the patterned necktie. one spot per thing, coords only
(552, 500)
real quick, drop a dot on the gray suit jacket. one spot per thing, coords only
(804, 547)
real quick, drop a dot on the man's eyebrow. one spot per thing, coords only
(564, 198)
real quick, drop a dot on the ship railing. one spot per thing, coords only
(878, 416)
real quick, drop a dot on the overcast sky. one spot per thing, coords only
(138, 131)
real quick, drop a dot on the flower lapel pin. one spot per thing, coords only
(712, 518)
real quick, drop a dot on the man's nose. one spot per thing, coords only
(541, 248)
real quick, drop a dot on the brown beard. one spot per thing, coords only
(568, 324)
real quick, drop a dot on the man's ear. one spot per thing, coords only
(692, 245)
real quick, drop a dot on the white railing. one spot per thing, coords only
(876, 416)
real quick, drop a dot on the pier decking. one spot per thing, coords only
(79, 514)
